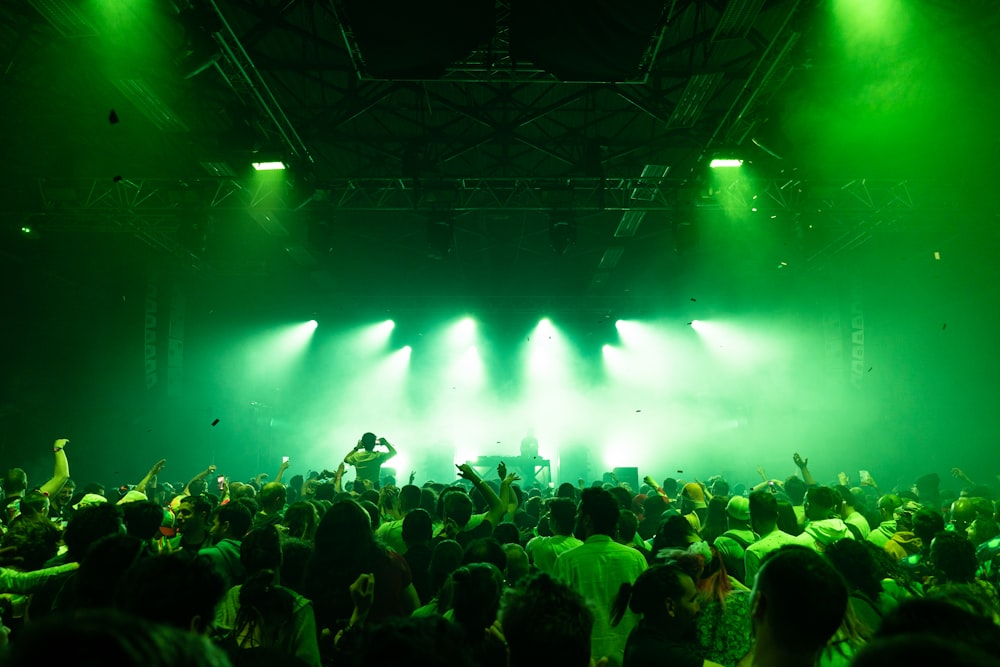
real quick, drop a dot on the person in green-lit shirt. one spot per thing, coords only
(366, 461)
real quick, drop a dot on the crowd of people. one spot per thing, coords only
(351, 567)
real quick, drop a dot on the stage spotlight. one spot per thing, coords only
(697, 325)
(722, 163)
(312, 324)
(274, 165)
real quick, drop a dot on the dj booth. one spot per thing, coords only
(531, 469)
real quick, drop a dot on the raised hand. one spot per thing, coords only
(799, 461)
(363, 592)
(502, 470)
(465, 471)
(413, 476)
(157, 467)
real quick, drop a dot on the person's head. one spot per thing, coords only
(417, 527)
(66, 493)
(506, 532)
(669, 487)
(409, 498)
(940, 618)
(738, 513)
(796, 489)
(953, 558)
(517, 563)
(926, 524)
(142, 519)
(692, 498)
(261, 550)
(186, 592)
(567, 490)
(272, 497)
(888, 504)
(798, 601)
(476, 596)
(821, 502)
(301, 519)
(117, 637)
(663, 594)
(485, 550)
(963, 512)
(35, 505)
(562, 516)
(856, 563)
(597, 514)
(429, 641)
(675, 533)
(368, 441)
(230, 522)
(720, 487)
(982, 530)
(346, 527)
(35, 541)
(445, 559)
(927, 488)
(622, 496)
(192, 515)
(457, 506)
(15, 482)
(628, 524)
(103, 567)
(542, 613)
(90, 524)
(847, 500)
(763, 507)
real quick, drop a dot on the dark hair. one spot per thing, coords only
(301, 519)
(506, 532)
(445, 559)
(182, 588)
(142, 519)
(788, 522)
(567, 490)
(35, 541)
(118, 638)
(103, 567)
(627, 525)
(543, 613)
(265, 617)
(602, 509)
(716, 521)
(409, 497)
(428, 501)
(925, 617)
(824, 497)
(763, 507)
(845, 495)
(926, 524)
(954, 557)
(485, 550)
(295, 556)
(796, 489)
(649, 592)
(622, 496)
(429, 642)
(476, 597)
(35, 504)
(986, 529)
(791, 576)
(674, 533)
(562, 515)
(89, 524)
(417, 527)
(857, 565)
(456, 505)
(15, 481)
(200, 504)
(923, 650)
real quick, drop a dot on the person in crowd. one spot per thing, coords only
(952, 560)
(796, 489)
(666, 600)
(300, 520)
(15, 483)
(887, 506)
(824, 525)
(926, 524)
(545, 622)
(517, 564)
(799, 601)
(733, 543)
(763, 507)
(230, 523)
(366, 461)
(61, 507)
(193, 527)
(853, 519)
(904, 542)
(180, 592)
(476, 591)
(599, 567)
(653, 507)
(417, 534)
(928, 490)
(446, 557)
(391, 531)
(345, 549)
(262, 614)
(272, 505)
(693, 505)
(867, 601)
(715, 521)
(561, 519)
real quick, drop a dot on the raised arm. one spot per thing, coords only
(60, 475)
(210, 470)
(803, 465)
(496, 508)
(648, 479)
(392, 450)
(281, 470)
(151, 475)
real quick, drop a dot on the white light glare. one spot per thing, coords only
(718, 163)
(269, 166)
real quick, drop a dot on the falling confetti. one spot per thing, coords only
(215, 422)
(113, 117)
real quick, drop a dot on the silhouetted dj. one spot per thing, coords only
(366, 461)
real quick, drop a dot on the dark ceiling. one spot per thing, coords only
(490, 120)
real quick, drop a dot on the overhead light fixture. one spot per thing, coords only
(722, 163)
(269, 166)
(562, 234)
(629, 224)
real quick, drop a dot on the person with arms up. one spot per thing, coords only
(366, 461)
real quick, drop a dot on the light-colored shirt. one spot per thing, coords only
(299, 639)
(391, 534)
(543, 551)
(756, 551)
(596, 570)
(858, 520)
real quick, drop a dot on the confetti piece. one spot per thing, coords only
(215, 422)
(944, 326)
(638, 410)
(113, 117)
(694, 299)
(870, 369)
(680, 472)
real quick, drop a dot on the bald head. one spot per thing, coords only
(272, 497)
